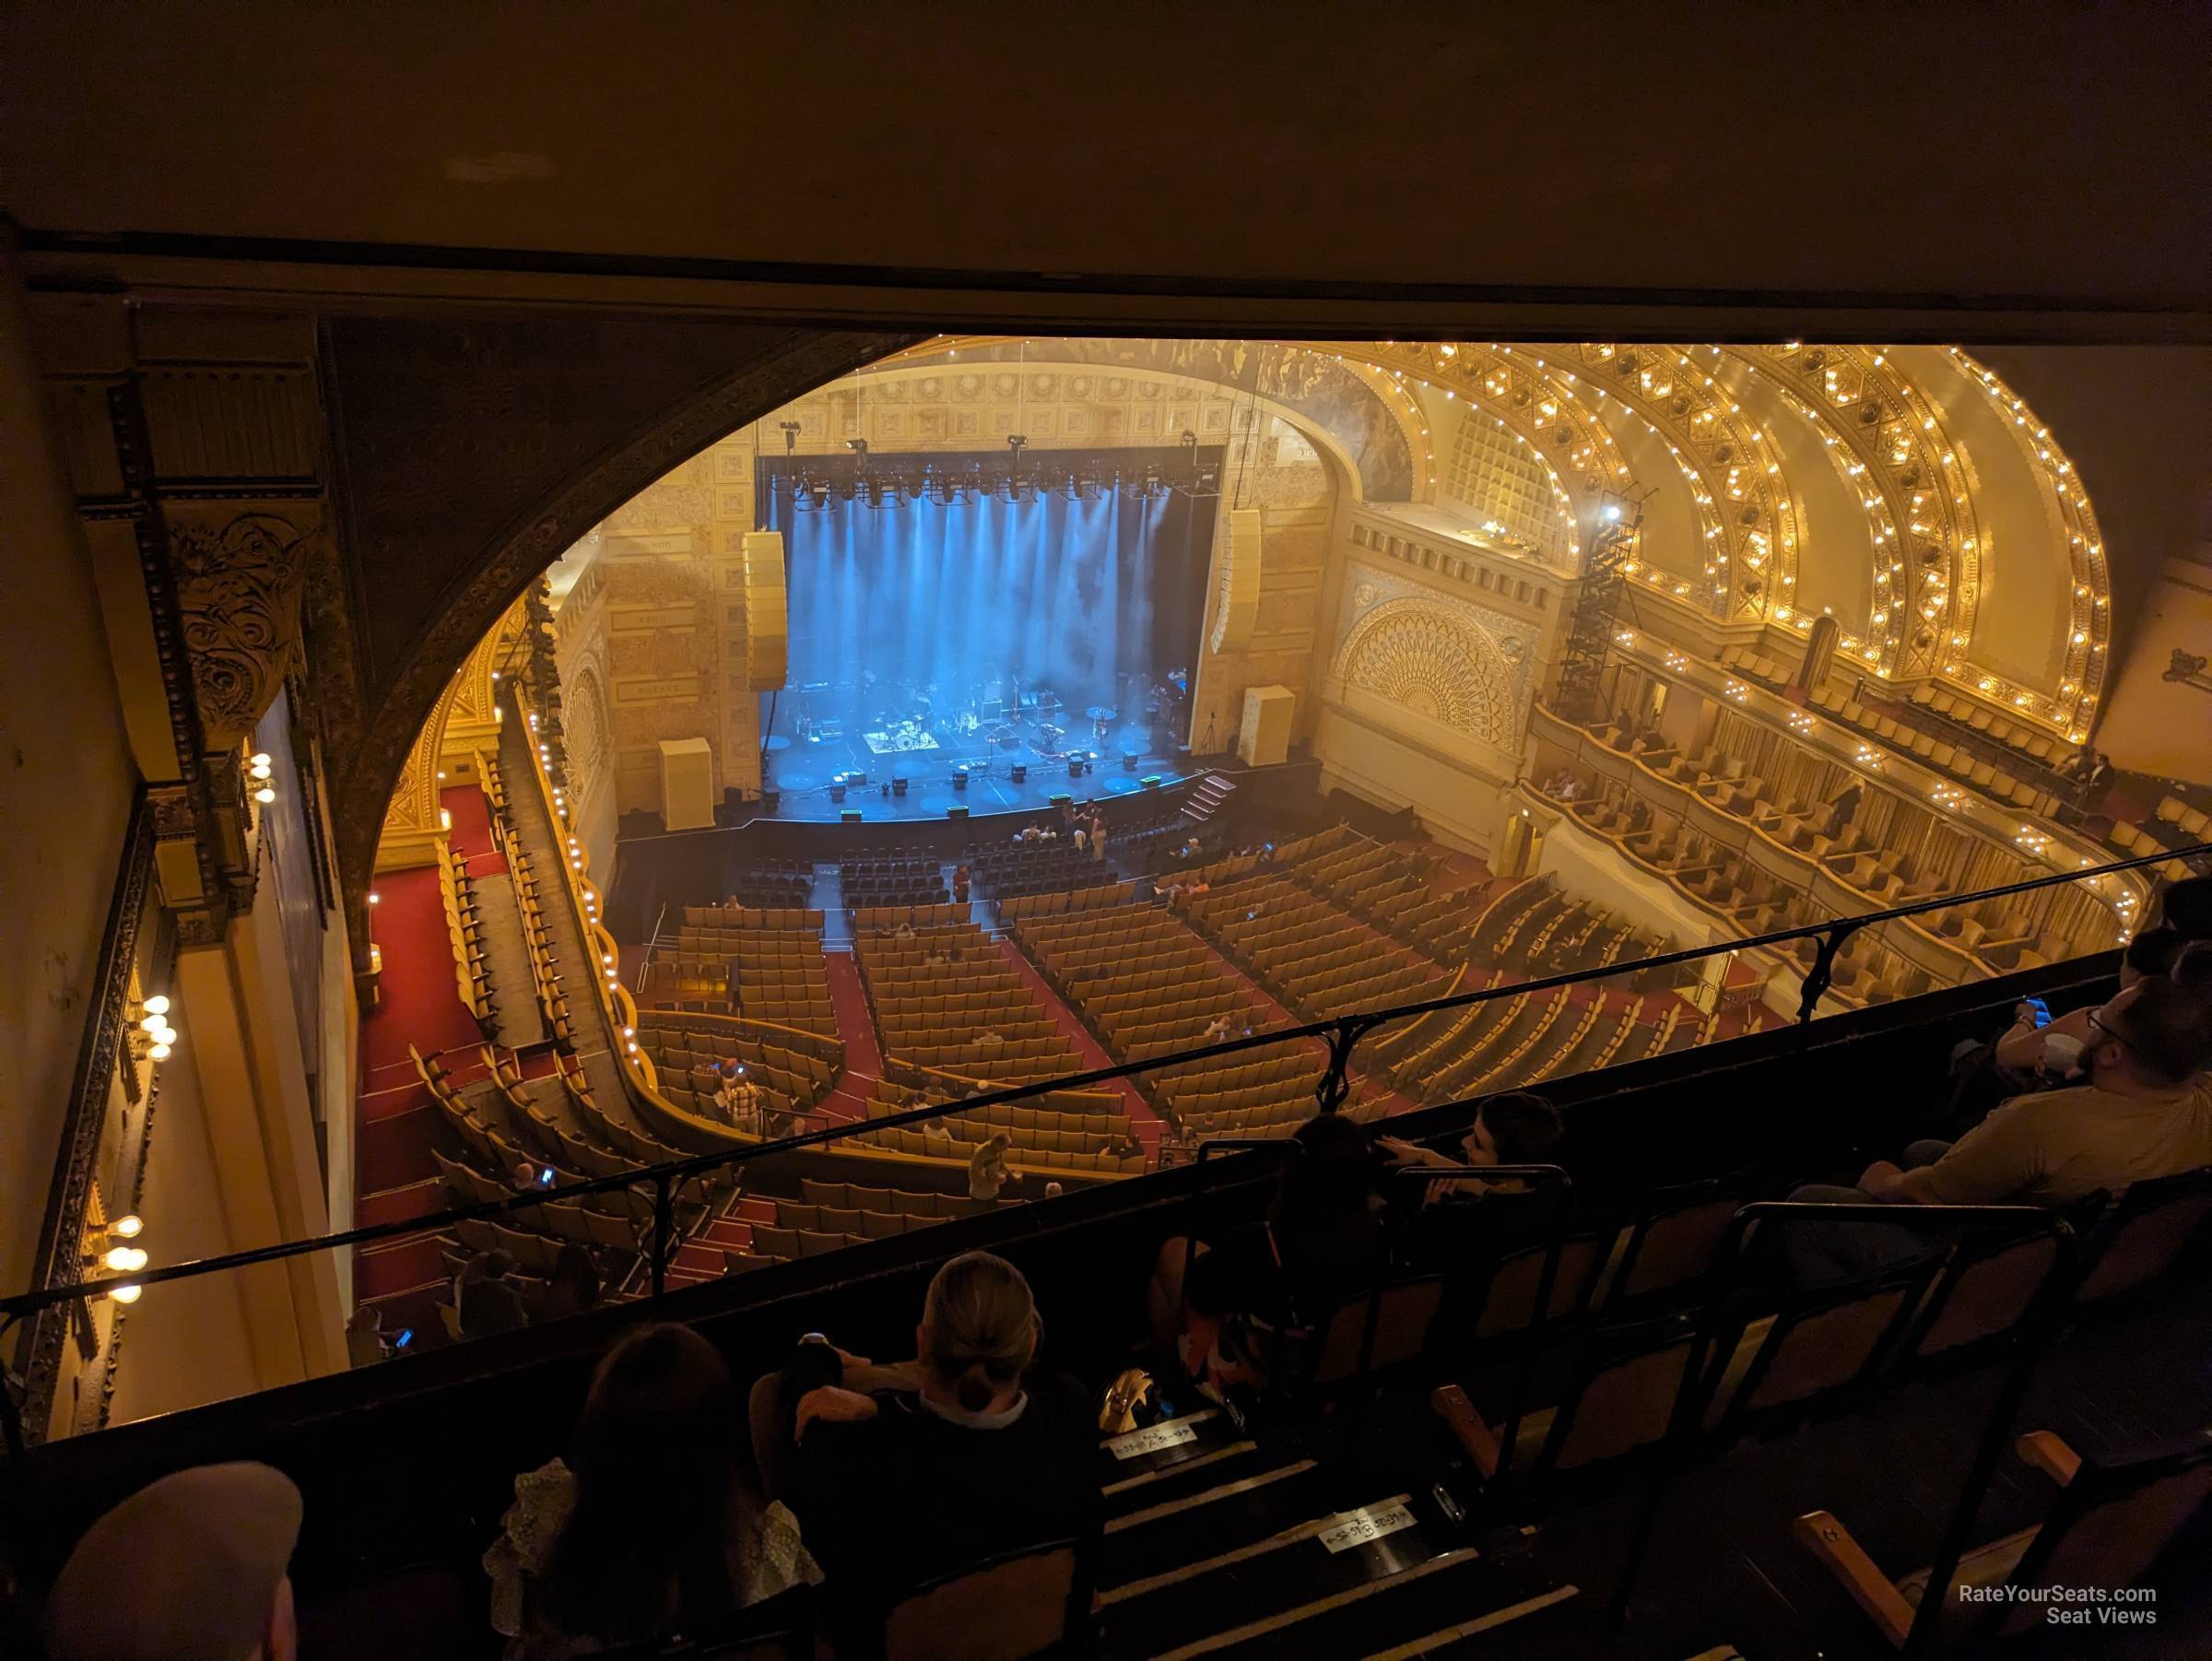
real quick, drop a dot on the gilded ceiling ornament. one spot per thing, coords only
(238, 594)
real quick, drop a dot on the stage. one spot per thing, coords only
(847, 745)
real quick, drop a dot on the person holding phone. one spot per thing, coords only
(2038, 1049)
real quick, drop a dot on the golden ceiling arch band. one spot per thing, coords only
(1544, 411)
(2088, 634)
(1895, 455)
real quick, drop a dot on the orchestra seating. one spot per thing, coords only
(792, 1068)
(1059, 1133)
(1146, 984)
(777, 951)
(916, 880)
(1010, 870)
(944, 998)
(773, 883)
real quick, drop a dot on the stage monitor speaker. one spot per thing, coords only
(959, 778)
(1074, 767)
(898, 786)
(1236, 585)
(1264, 738)
(851, 816)
(687, 784)
(837, 792)
(1019, 772)
(1060, 799)
(960, 811)
(1129, 761)
(856, 778)
(771, 800)
(1150, 781)
(766, 612)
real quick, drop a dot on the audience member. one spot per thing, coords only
(573, 1286)
(1216, 1031)
(961, 878)
(987, 1171)
(1457, 1222)
(2144, 1111)
(489, 1302)
(648, 1528)
(523, 1177)
(364, 1336)
(1515, 1129)
(2192, 969)
(985, 1456)
(1098, 837)
(2029, 1052)
(2186, 907)
(190, 1568)
(1227, 1309)
(1844, 807)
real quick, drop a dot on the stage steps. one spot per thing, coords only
(1203, 803)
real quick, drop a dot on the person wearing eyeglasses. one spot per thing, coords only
(2144, 1111)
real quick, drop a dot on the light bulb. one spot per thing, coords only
(264, 795)
(152, 1023)
(126, 1293)
(158, 1052)
(128, 1259)
(129, 1226)
(156, 1005)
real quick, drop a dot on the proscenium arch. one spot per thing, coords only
(920, 362)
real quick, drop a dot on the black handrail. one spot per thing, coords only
(1342, 1033)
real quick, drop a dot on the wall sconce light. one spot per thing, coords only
(129, 1226)
(126, 1293)
(124, 1259)
(259, 770)
(159, 1035)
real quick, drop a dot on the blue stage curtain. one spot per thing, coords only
(1058, 592)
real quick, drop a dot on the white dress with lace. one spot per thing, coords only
(771, 1559)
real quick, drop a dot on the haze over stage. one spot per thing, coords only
(932, 628)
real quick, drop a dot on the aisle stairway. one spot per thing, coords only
(1237, 1547)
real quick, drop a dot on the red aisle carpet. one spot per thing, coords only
(419, 1003)
(848, 1095)
(470, 837)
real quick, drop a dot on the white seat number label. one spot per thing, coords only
(1368, 1523)
(1152, 1438)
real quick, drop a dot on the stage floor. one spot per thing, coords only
(803, 770)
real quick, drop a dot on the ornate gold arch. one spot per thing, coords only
(1428, 658)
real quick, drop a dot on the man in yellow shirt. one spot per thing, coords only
(2144, 1111)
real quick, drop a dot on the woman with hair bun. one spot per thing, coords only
(988, 1455)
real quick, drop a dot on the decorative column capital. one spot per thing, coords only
(239, 577)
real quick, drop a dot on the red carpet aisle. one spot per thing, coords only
(1143, 1121)
(395, 1175)
(848, 1096)
(470, 837)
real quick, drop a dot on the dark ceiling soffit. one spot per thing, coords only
(378, 274)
